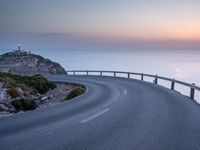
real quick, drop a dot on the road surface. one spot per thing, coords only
(113, 114)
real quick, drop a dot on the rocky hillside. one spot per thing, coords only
(21, 92)
(25, 63)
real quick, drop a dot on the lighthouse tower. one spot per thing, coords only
(19, 51)
(19, 47)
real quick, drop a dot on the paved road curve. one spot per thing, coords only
(115, 113)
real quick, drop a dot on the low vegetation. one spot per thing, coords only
(33, 85)
(13, 92)
(23, 91)
(21, 88)
(24, 104)
(75, 92)
(40, 84)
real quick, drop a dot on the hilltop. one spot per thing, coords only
(25, 63)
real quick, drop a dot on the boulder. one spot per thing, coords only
(4, 97)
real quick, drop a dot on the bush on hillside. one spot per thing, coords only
(34, 84)
(41, 84)
(28, 104)
(17, 105)
(24, 104)
(13, 92)
(75, 92)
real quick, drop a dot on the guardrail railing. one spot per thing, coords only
(192, 86)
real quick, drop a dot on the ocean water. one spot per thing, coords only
(183, 65)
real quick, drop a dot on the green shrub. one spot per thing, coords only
(13, 92)
(7, 82)
(28, 104)
(34, 84)
(24, 104)
(75, 92)
(41, 84)
(17, 104)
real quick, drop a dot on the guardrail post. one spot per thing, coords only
(142, 77)
(87, 72)
(173, 84)
(100, 73)
(128, 74)
(74, 72)
(114, 74)
(192, 91)
(156, 79)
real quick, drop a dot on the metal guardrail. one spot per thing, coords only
(192, 86)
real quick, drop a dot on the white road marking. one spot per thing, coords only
(95, 116)
(117, 97)
(125, 91)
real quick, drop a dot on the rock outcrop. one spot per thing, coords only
(19, 93)
(25, 63)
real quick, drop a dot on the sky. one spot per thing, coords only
(75, 24)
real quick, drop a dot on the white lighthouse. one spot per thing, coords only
(19, 47)
(19, 51)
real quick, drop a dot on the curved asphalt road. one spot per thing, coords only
(114, 114)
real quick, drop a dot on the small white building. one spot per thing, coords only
(20, 51)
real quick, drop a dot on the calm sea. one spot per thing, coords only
(179, 64)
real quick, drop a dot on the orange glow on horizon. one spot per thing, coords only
(179, 33)
(188, 33)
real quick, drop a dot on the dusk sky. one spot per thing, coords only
(104, 23)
